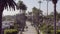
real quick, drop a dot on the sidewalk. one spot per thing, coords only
(31, 29)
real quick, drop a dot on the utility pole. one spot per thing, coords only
(54, 2)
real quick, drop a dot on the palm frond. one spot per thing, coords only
(10, 3)
(21, 5)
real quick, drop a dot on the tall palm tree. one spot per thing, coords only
(21, 6)
(5, 4)
(54, 2)
(47, 5)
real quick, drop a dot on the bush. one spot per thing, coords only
(10, 31)
(58, 31)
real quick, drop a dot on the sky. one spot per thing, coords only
(34, 3)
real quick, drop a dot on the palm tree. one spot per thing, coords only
(21, 6)
(5, 4)
(47, 5)
(54, 2)
(40, 4)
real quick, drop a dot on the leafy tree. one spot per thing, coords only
(36, 17)
(35, 11)
(59, 15)
(52, 15)
(36, 14)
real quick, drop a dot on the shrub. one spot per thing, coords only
(10, 31)
(58, 31)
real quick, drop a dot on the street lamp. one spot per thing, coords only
(54, 2)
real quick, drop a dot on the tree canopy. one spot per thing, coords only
(21, 5)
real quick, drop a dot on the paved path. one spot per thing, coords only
(31, 29)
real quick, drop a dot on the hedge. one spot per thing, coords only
(57, 31)
(10, 31)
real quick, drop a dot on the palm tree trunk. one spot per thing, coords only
(54, 18)
(1, 21)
